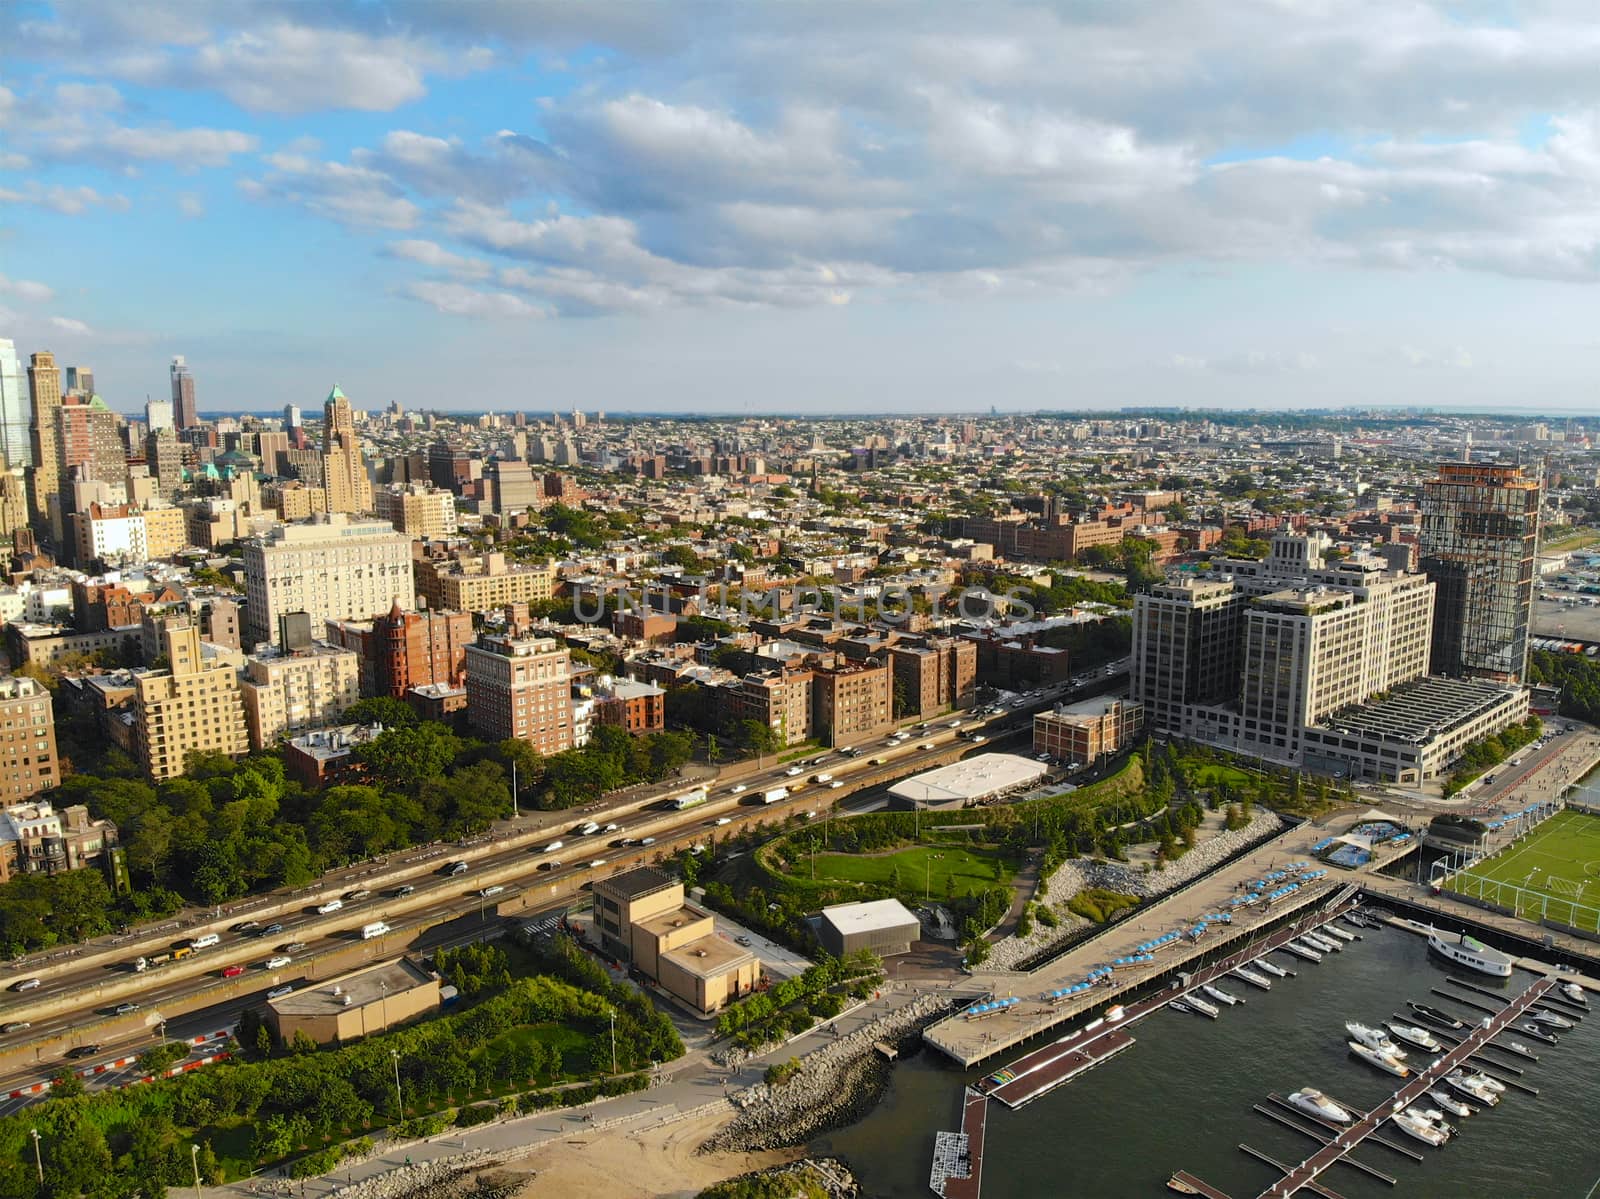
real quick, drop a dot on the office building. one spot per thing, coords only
(158, 415)
(89, 443)
(44, 389)
(288, 690)
(481, 583)
(344, 470)
(418, 510)
(1479, 545)
(14, 408)
(184, 409)
(644, 920)
(521, 687)
(1088, 729)
(28, 762)
(402, 650)
(192, 705)
(332, 567)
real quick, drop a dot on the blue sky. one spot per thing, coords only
(807, 207)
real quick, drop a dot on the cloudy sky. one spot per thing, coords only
(841, 207)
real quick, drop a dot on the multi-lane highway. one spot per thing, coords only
(76, 1000)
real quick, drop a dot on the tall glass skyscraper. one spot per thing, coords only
(14, 408)
(1480, 544)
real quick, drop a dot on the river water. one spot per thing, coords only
(1181, 1098)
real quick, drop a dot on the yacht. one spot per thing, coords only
(1548, 1017)
(1355, 920)
(1251, 977)
(1575, 994)
(1195, 1004)
(1450, 1103)
(1415, 1126)
(1434, 1117)
(1411, 1034)
(1470, 952)
(1302, 951)
(1489, 1081)
(1382, 1061)
(1442, 1018)
(1313, 1102)
(1325, 944)
(1472, 1088)
(1268, 966)
(1220, 995)
(1374, 1038)
(1529, 1029)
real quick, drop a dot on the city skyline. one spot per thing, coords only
(604, 208)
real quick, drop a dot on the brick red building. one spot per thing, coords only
(402, 650)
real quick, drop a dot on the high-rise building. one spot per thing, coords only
(14, 443)
(80, 379)
(184, 407)
(333, 568)
(158, 415)
(1479, 545)
(403, 649)
(163, 458)
(344, 470)
(44, 388)
(852, 700)
(89, 442)
(418, 509)
(521, 687)
(288, 690)
(194, 704)
(28, 753)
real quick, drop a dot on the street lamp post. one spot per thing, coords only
(613, 1014)
(38, 1158)
(399, 1101)
(194, 1158)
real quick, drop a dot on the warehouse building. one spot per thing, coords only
(884, 926)
(967, 782)
(355, 1005)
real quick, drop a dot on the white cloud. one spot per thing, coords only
(191, 205)
(183, 147)
(69, 201)
(26, 290)
(67, 324)
(431, 254)
(354, 196)
(457, 299)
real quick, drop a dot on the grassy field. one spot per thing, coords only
(969, 869)
(1209, 774)
(1575, 540)
(1559, 859)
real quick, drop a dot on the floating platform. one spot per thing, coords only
(958, 1156)
(1045, 1069)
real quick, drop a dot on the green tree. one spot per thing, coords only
(391, 713)
(404, 758)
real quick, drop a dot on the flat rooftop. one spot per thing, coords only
(1419, 711)
(635, 883)
(363, 987)
(675, 919)
(970, 778)
(869, 917)
(708, 957)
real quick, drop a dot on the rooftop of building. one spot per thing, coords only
(707, 957)
(1418, 711)
(635, 884)
(870, 916)
(364, 987)
(969, 779)
(679, 917)
(1098, 705)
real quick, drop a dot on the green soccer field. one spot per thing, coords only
(1560, 859)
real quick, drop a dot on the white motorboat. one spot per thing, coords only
(1220, 995)
(1470, 952)
(1302, 951)
(1375, 1038)
(1469, 1086)
(1270, 967)
(1417, 1038)
(1314, 1102)
(1544, 1016)
(1325, 944)
(1419, 1129)
(1434, 1117)
(1382, 1061)
(1489, 1081)
(1575, 994)
(1450, 1103)
(1196, 1004)
(1251, 977)
(1333, 930)
(1538, 1032)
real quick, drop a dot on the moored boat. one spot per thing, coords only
(1333, 930)
(1432, 1118)
(1544, 1016)
(1456, 1107)
(1529, 1029)
(1472, 1088)
(1468, 951)
(1251, 977)
(1220, 995)
(1439, 1017)
(1302, 951)
(1411, 1034)
(1325, 944)
(1381, 1060)
(1268, 966)
(1374, 1038)
(1419, 1129)
(1575, 994)
(1314, 1102)
(1196, 1004)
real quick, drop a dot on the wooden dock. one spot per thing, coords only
(958, 1156)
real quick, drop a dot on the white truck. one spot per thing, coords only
(774, 795)
(376, 929)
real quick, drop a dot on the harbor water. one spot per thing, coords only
(1181, 1097)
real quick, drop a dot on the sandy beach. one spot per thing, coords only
(624, 1163)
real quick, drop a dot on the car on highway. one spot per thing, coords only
(280, 992)
(597, 863)
(611, 828)
(279, 962)
(293, 947)
(15, 1026)
(647, 840)
(720, 820)
(126, 1009)
(794, 771)
(739, 789)
(233, 971)
(485, 892)
(836, 784)
(459, 868)
(745, 941)
(272, 930)
(82, 1051)
(25, 984)
(403, 890)
(357, 895)
(249, 926)
(327, 909)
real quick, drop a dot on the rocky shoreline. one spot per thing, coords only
(836, 1085)
(472, 1174)
(834, 1175)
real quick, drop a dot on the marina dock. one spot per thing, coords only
(958, 1156)
(1305, 1175)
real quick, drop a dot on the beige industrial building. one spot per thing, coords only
(643, 919)
(333, 568)
(1081, 732)
(521, 687)
(356, 1005)
(418, 510)
(481, 583)
(302, 688)
(192, 705)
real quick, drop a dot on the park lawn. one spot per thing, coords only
(1209, 774)
(921, 867)
(1560, 858)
